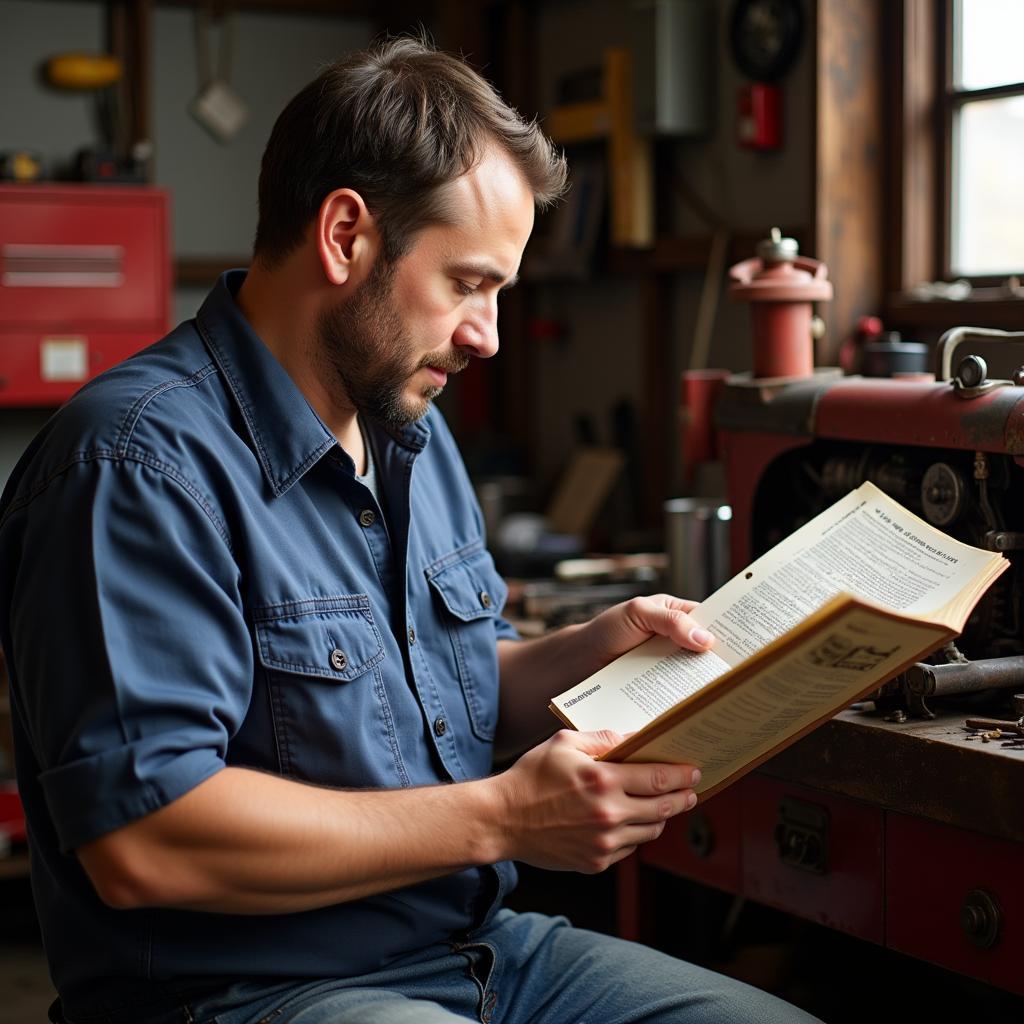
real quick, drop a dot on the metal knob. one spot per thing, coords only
(981, 918)
(972, 371)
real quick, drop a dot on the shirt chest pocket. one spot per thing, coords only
(331, 719)
(471, 595)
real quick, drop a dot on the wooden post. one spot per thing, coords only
(849, 232)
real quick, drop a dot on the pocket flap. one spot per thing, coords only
(470, 586)
(331, 638)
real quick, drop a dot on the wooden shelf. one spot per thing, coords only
(343, 8)
(673, 254)
(941, 315)
(630, 156)
(204, 270)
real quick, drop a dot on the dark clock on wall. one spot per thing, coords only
(765, 36)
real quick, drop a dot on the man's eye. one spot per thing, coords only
(464, 289)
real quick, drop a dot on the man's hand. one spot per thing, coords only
(626, 625)
(533, 670)
(563, 810)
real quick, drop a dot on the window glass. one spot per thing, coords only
(988, 201)
(989, 46)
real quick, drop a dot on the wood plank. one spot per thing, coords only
(631, 158)
(915, 176)
(205, 270)
(579, 122)
(848, 155)
(927, 769)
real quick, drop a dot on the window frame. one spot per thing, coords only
(922, 103)
(953, 100)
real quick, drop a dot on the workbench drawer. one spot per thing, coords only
(703, 844)
(813, 854)
(954, 898)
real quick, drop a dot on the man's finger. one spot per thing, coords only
(656, 779)
(595, 743)
(669, 616)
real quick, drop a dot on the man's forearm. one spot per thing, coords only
(532, 672)
(245, 842)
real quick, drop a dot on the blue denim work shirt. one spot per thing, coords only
(192, 577)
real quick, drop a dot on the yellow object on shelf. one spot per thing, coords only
(83, 71)
(630, 156)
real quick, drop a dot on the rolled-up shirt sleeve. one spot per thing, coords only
(130, 657)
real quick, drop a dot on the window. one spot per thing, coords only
(984, 123)
(955, 113)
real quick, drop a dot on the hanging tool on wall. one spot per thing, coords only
(217, 107)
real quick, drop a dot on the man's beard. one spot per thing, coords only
(366, 348)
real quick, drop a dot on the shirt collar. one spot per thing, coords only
(288, 435)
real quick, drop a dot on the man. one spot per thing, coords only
(254, 635)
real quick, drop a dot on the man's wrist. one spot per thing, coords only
(490, 810)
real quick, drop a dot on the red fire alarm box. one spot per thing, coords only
(85, 280)
(759, 116)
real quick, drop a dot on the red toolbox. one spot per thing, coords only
(85, 280)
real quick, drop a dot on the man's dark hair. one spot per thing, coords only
(396, 123)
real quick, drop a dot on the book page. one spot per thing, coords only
(777, 698)
(866, 545)
(634, 689)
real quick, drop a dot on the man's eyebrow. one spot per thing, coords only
(488, 273)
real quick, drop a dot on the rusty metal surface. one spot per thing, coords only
(924, 768)
(884, 411)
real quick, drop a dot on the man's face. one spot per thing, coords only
(391, 345)
(369, 351)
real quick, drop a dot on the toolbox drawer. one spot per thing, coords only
(813, 854)
(703, 844)
(954, 898)
(84, 282)
(45, 368)
(83, 256)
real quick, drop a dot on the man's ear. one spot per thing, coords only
(347, 239)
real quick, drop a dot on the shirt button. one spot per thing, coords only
(367, 517)
(485, 599)
(412, 635)
(338, 660)
(440, 726)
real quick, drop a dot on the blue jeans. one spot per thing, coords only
(519, 969)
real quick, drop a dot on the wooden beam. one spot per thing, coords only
(913, 242)
(848, 154)
(342, 8)
(631, 157)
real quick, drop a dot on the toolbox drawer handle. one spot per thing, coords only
(63, 266)
(981, 918)
(801, 835)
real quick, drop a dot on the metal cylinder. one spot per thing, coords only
(965, 677)
(697, 542)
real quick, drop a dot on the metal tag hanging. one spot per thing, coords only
(217, 107)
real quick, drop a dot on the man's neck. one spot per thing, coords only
(282, 310)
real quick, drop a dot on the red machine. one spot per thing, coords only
(85, 281)
(887, 823)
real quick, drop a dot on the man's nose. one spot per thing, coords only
(479, 334)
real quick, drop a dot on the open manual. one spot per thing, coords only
(846, 602)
